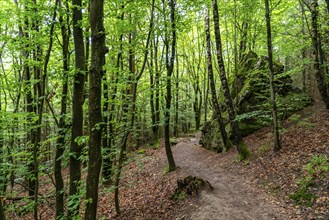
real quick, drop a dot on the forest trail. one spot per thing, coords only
(233, 196)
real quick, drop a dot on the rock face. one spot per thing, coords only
(211, 138)
(250, 92)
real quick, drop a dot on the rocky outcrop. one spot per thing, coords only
(250, 92)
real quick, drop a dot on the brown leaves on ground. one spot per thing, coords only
(280, 172)
(145, 189)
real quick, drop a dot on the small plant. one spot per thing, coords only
(301, 122)
(244, 153)
(155, 145)
(166, 170)
(173, 141)
(263, 148)
(181, 196)
(316, 168)
(141, 151)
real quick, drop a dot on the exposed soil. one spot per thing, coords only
(233, 197)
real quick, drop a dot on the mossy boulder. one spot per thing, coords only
(211, 138)
(251, 95)
(250, 91)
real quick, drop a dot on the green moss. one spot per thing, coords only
(263, 148)
(180, 196)
(174, 141)
(141, 151)
(244, 152)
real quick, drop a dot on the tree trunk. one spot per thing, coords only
(155, 90)
(98, 51)
(217, 115)
(2, 212)
(77, 110)
(62, 121)
(170, 58)
(277, 145)
(236, 134)
(176, 97)
(107, 160)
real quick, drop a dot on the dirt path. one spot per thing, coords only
(233, 197)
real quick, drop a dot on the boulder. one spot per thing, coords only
(211, 138)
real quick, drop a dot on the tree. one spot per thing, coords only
(217, 114)
(78, 100)
(98, 51)
(277, 145)
(170, 59)
(236, 134)
(62, 125)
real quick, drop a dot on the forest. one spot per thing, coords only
(164, 109)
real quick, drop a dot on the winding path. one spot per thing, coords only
(233, 196)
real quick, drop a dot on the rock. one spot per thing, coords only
(210, 137)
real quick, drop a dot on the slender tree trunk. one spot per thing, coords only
(62, 121)
(236, 134)
(107, 160)
(217, 115)
(277, 145)
(77, 110)
(235, 56)
(154, 86)
(2, 212)
(170, 58)
(176, 97)
(130, 97)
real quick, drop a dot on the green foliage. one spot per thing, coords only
(174, 141)
(263, 148)
(156, 145)
(74, 201)
(293, 102)
(316, 169)
(180, 196)
(141, 151)
(295, 118)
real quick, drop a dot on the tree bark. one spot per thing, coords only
(170, 58)
(98, 51)
(107, 160)
(217, 114)
(59, 183)
(2, 212)
(236, 134)
(77, 110)
(277, 145)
